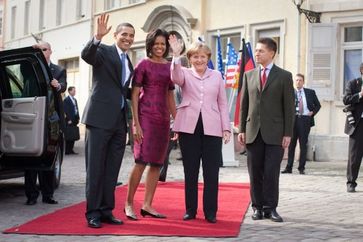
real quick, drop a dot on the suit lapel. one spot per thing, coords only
(117, 64)
(256, 79)
(271, 76)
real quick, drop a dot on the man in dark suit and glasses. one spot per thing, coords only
(353, 96)
(105, 118)
(71, 113)
(46, 178)
(307, 106)
(266, 125)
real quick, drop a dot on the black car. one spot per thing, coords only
(31, 137)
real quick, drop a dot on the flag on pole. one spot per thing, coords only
(232, 65)
(219, 55)
(247, 63)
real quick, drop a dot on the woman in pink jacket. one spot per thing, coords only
(202, 121)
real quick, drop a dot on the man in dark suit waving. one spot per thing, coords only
(307, 106)
(105, 118)
(353, 97)
(266, 124)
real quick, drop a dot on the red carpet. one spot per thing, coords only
(169, 200)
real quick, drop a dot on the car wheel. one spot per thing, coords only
(58, 168)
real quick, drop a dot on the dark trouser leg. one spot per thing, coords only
(46, 182)
(255, 164)
(212, 151)
(191, 146)
(69, 147)
(114, 155)
(292, 146)
(104, 152)
(30, 183)
(355, 154)
(164, 168)
(303, 141)
(273, 158)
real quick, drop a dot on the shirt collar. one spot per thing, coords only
(119, 51)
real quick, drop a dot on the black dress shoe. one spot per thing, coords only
(301, 172)
(286, 171)
(188, 216)
(31, 201)
(211, 219)
(147, 213)
(273, 215)
(111, 220)
(257, 214)
(350, 188)
(49, 200)
(94, 223)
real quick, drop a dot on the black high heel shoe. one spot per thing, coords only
(131, 217)
(146, 213)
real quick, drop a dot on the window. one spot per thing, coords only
(352, 52)
(60, 12)
(26, 17)
(134, 1)
(110, 4)
(41, 15)
(22, 80)
(273, 34)
(79, 9)
(72, 67)
(13, 22)
(137, 54)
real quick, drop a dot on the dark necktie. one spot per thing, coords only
(301, 103)
(263, 78)
(123, 68)
(123, 76)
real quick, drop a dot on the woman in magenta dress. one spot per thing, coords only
(152, 103)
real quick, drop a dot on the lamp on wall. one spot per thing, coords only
(313, 17)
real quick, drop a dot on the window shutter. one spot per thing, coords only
(321, 61)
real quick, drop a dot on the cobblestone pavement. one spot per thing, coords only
(315, 206)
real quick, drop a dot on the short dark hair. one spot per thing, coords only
(301, 75)
(119, 27)
(270, 44)
(70, 88)
(150, 41)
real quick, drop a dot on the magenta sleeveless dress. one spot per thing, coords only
(154, 116)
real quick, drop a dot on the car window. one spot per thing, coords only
(22, 80)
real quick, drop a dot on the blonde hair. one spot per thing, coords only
(199, 46)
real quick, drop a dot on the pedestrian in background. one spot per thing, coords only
(47, 178)
(202, 122)
(266, 126)
(152, 104)
(71, 115)
(105, 117)
(307, 105)
(353, 97)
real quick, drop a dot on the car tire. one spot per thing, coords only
(58, 168)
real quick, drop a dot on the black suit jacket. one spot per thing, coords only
(70, 112)
(351, 97)
(312, 102)
(60, 74)
(103, 106)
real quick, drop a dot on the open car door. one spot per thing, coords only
(25, 103)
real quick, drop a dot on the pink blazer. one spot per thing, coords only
(204, 95)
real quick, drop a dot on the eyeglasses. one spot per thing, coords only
(44, 49)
